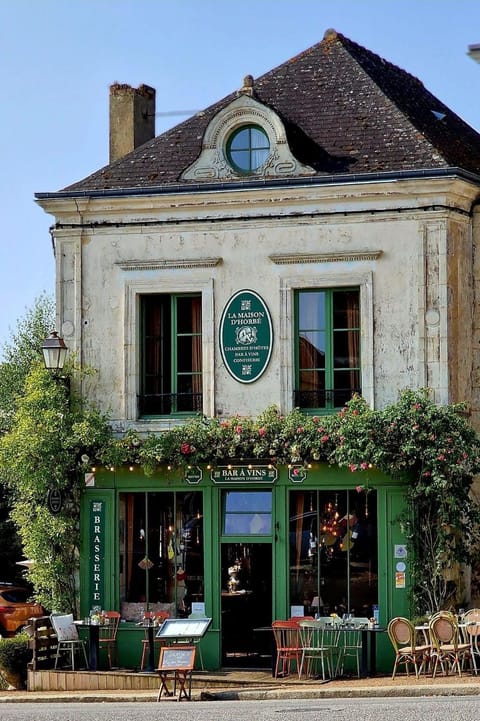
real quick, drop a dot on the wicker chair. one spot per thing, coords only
(448, 649)
(402, 635)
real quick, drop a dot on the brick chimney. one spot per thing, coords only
(132, 118)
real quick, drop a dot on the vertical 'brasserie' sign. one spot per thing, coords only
(246, 336)
(97, 552)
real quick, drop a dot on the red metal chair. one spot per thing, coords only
(108, 635)
(289, 648)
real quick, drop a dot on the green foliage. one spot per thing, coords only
(48, 446)
(20, 352)
(15, 654)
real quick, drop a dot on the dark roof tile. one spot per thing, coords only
(346, 110)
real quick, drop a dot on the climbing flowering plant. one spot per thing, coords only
(434, 448)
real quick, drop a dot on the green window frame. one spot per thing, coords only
(170, 354)
(248, 148)
(327, 348)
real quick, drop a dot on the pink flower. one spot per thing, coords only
(359, 489)
(295, 471)
(324, 439)
(185, 449)
(427, 474)
(300, 430)
(364, 466)
(315, 419)
(353, 467)
(417, 406)
(441, 457)
(261, 431)
(238, 429)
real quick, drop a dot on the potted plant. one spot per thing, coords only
(14, 657)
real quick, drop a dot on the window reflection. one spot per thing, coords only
(247, 513)
(161, 552)
(333, 551)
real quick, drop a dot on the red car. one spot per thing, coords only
(16, 607)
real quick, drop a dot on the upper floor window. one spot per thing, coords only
(171, 354)
(327, 352)
(248, 148)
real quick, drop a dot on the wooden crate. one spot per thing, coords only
(43, 643)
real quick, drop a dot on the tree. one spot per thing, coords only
(18, 354)
(52, 435)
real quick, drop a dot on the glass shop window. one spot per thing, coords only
(247, 513)
(333, 552)
(161, 552)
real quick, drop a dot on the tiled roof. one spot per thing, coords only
(347, 111)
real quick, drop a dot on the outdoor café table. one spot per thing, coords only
(150, 629)
(269, 629)
(368, 666)
(93, 642)
(423, 629)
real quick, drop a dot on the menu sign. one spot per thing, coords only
(246, 336)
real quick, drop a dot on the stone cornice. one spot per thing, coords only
(169, 263)
(294, 258)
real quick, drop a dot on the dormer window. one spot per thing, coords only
(248, 148)
(243, 140)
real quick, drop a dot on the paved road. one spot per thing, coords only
(459, 708)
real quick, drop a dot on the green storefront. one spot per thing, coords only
(245, 544)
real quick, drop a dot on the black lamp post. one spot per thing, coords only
(54, 352)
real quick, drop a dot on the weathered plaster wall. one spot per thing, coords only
(409, 254)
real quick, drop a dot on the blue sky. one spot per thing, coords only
(59, 57)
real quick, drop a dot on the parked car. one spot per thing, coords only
(16, 607)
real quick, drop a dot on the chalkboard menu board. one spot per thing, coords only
(176, 658)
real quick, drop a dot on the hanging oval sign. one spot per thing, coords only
(246, 336)
(55, 500)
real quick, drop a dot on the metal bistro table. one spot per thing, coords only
(93, 643)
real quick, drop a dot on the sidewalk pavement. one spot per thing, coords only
(253, 685)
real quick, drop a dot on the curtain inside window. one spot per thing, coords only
(353, 338)
(197, 345)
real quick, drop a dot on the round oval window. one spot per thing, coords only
(248, 148)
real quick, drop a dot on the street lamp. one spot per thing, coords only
(54, 352)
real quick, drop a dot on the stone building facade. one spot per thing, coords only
(337, 192)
